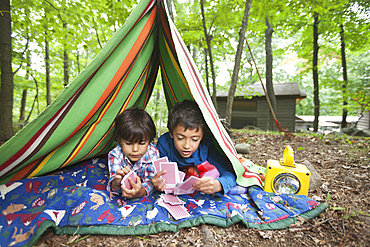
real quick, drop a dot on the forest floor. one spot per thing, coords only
(344, 165)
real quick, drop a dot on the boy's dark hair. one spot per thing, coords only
(134, 125)
(187, 114)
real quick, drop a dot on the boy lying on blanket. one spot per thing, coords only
(134, 130)
(188, 144)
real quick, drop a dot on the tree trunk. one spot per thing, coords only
(269, 85)
(65, 60)
(36, 99)
(345, 78)
(208, 41)
(157, 100)
(78, 61)
(24, 94)
(315, 72)
(234, 78)
(7, 83)
(195, 54)
(47, 72)
(23, 106)
(206, 68)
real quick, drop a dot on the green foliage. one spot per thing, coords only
(157, 107)
(88, 25)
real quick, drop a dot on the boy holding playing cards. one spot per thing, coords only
(134, 130)
(188, 144)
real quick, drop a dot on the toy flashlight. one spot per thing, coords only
(285, 176)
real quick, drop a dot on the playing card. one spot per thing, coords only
(125, 180)
(212, 173)
(172, 173)
(177, 211)
(181, 176)
(169, 190)
(157, 163)
(171, 199)
(161, 202)
(186, 186)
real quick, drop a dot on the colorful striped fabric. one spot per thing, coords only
(78, 124)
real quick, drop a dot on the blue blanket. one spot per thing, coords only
(74, 201)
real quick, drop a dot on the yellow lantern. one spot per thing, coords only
(285, 176)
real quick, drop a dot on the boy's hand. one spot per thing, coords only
(208, 185)
(125, 170)
(136, 191)
(158, 182)
(116, 182)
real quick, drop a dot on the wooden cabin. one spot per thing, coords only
(255, 111)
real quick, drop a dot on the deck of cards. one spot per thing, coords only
(174, 178)
(175, 185)
(174, 205)
(126, 182)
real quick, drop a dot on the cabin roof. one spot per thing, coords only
(281, 89)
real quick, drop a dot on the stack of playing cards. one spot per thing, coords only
(174, 205)
(186, 187)
(126, 182)
(174, 178)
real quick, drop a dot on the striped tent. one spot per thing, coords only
(78, 124)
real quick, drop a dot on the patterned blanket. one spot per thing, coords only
(74, 201)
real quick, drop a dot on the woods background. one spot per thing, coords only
(322, 45)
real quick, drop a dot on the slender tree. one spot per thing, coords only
(7, 84)
(345, 78)
(269, 82)
(206, 69)
(238, 55)
(47, 68)
(315, 72)
(208, 41)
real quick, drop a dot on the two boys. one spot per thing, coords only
(186, 143)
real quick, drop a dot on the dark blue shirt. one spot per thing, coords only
(205, 152)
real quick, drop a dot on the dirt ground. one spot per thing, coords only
(342, 162)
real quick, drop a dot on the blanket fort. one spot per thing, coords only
(74, 201)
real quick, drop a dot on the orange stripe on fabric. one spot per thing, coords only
(23, 172)
(122, 69)
(128, 60)
(92, 128)
(124, 106)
